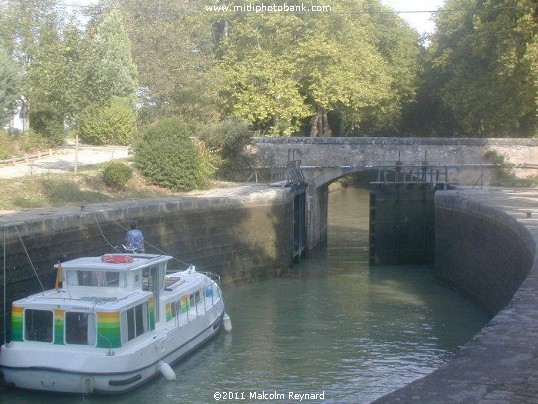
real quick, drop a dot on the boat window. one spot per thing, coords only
(38, 325)
(184, 301)
(152, 281)
(86, 278)
(175, 309)
(112, 279)
(147, 279)
(195, 298)
(139, 320)
(135, 321)
(80, 328)
(153, 278)
(96, 278)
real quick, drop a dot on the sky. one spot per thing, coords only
(421, 21)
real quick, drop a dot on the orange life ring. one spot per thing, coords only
(117, 258)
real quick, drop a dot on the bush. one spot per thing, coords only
(210, 160)
(230, 139)
(505, 174)
(31, 141)
(5, 150)
(166, 156)
(48, 125)
(116, 174)
(112, 124)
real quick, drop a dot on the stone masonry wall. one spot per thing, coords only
(353, 151)
(486, 247)
(480, 250)
(241, 234)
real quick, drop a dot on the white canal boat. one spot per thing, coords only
(113, 323)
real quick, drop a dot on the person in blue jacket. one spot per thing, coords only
(134, 240)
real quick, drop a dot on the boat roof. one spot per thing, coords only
(99, 263)
(86, 298)
(62, 299)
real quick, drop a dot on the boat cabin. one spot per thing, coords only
(108, 301)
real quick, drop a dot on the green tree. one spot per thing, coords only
(263, 91)
(22, 22)
(10, 85)
(108, 68)
(46, 76)
(101, 95)
(484, 64)
(401, 50)
(280, 69)
(173, 49)
(73, 51)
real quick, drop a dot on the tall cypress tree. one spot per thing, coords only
(109, 69)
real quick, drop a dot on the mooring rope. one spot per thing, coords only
(156, 248)
(29, 259)
(103, 234)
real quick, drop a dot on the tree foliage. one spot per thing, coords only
(356, 69)
(229, 140)
(279, 71)
(484, 67)
(284, 70)
(173, 50)
(20, 24)
(108, 67)
(47, 82)
(10, 85)
(111, 123)
(66, 69)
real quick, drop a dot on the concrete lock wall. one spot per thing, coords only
(481, 251)
(242, 235)
(486, 247)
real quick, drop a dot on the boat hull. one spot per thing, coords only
(107, 372)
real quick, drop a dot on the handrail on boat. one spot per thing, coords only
(200, 307)
(213, 276)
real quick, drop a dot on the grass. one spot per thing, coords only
(88, 186)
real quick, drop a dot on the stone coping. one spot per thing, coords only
(258, 194)
(387, 141)
(500, 364)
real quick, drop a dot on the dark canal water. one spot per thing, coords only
(335, 327)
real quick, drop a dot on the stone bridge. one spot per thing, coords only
(465, 161)
(466, 158)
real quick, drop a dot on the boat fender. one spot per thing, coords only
(87, 385)
(227, 322)
(167, 371)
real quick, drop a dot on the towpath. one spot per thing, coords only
(63, 159)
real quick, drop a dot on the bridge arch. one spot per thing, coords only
(318, 180)
(323, 160)
(412, 201)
